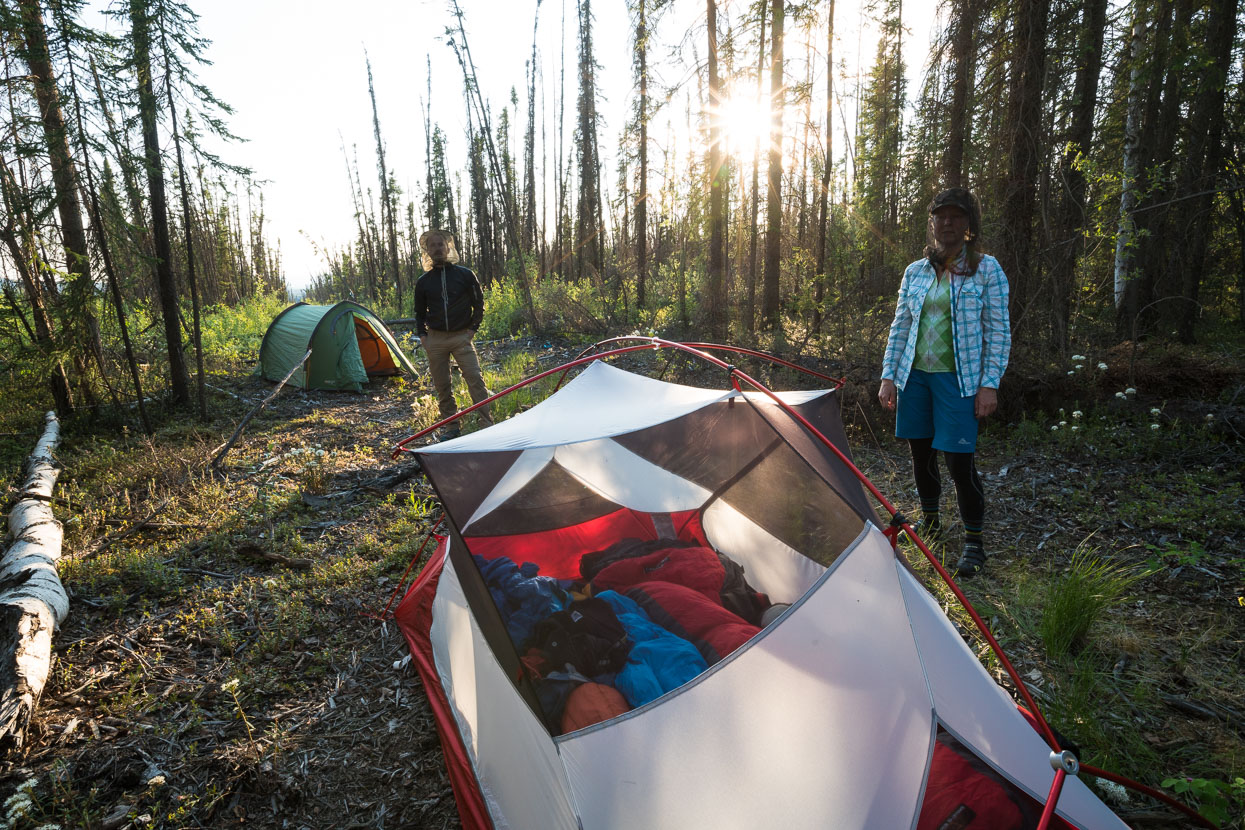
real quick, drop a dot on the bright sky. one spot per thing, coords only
(295, 76)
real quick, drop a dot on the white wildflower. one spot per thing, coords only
(1080, 365)
(1075, 427)
(1077, 357)
(1113, 791)
(17, 804)
(1076, 414)
(1054, 428)
(1102, 367)
(1063, 423)
(1210, 416)
(1130, 391)
(229, 685)
(1154, 426)
(1154, 410)
(1120, 395)
(1070, 372)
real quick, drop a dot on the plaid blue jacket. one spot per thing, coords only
(980, 324)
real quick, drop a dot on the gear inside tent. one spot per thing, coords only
(348, 345)
(660, 606)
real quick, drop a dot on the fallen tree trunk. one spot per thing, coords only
(33, 603)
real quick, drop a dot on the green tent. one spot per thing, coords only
(348, 345)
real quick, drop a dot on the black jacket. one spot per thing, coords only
(448, 298)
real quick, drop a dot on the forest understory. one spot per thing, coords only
(225, 662)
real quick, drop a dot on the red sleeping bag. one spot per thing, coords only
(965, 793)
(696, 618)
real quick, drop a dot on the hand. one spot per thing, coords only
(987, 401)
(886, 394)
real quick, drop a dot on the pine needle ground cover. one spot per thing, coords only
(223, 662)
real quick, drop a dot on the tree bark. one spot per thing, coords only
(187, 230)
(1024, 154)
(1071, 218)
(64, 180)
(641, 203)
(957, 116)
(33, 603)
(823, 192)
(1201, 170)
(1125, 237)
(717, 186)
(166, 286)
(750, 322)
(773, 213)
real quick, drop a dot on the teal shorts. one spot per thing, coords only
(930, 406)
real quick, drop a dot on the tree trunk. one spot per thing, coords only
(1071, 217)
(823, 193)
(33, 602)
(388, 223)
(753, 232)
(1201, 171)
(717, 186)
(1024, 154)
(773, 223)
(529, 150)
(64, 180)
(187, 229)
(958, 122)
(165, 284)
(641, 204)
(1126, 299)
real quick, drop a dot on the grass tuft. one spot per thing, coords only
(1079, 596)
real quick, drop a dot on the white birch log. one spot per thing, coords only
(33, 603)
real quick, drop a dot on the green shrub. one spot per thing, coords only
(1078, 597)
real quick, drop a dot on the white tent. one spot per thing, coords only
(828, 718)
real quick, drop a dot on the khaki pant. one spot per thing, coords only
(440, 345)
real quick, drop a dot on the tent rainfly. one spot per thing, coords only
(348, 344)
(853, 703)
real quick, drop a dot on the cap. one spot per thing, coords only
(955, 197)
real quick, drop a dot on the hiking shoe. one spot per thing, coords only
(971, 562)
(450, 431)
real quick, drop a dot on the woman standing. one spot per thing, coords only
(947, 351)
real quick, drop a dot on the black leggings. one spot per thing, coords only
(968, 491)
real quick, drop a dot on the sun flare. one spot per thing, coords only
(745, 122)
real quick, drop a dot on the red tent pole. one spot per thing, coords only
(384, 615)
(1052, 799)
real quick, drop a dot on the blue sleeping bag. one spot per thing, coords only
(659, 661)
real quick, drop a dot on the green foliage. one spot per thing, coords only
(504, 314)
(235, 332)
(1078, 597)
(1214, 798)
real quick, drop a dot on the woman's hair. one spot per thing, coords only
(451, 255)
(974, 247)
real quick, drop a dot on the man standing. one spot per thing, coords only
(449, 306)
